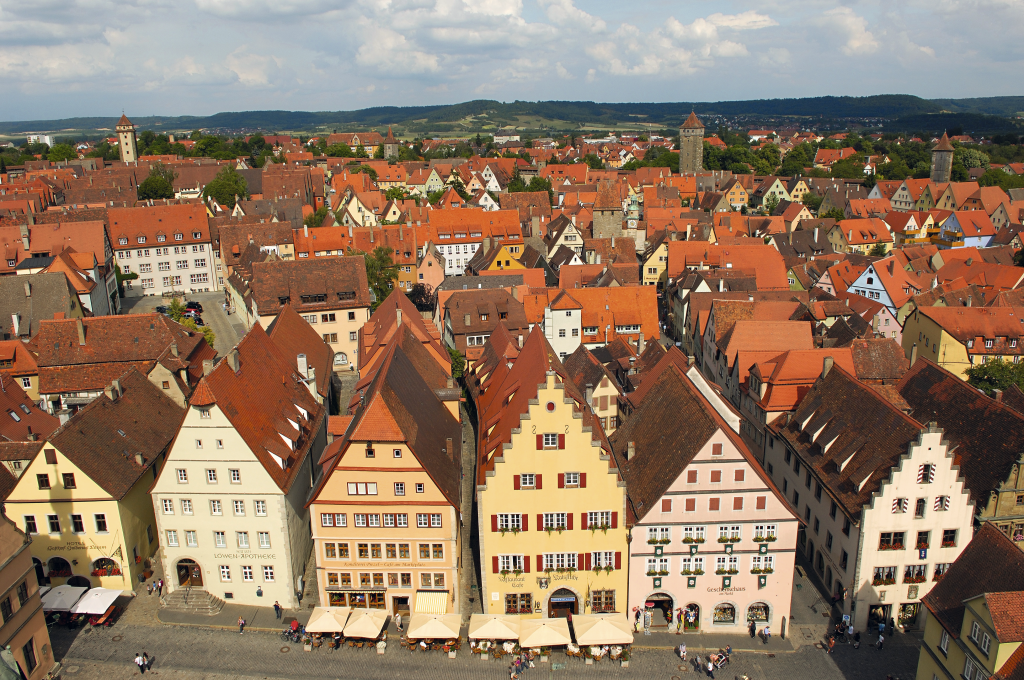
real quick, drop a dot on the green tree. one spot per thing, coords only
(159, 184)
(593, 162)
(834, 213)
(226, 186)
(997, 178)
(812, 201)
(361, 152)
(516, 184)
(538, 183)
(339, 151)
(771, 155)
(61, 152)
(176, 310)
(460, 188)
(771, 203)
(458, 362)
(970, 158)
(122, 277)
(395, 194)
(381, 271)
(207, 332)
(379, 152)
(367, 169)
(994, 375)
(317, 218)
(878, 250)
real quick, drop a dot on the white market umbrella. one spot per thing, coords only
(62, 598)
(434, 626)
(365, 623)
(544, 633)
(596, 629)
(96, 601)
(494, 627)
(328, 619)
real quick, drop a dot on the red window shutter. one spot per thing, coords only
(561, 480)
(583, 480)
(540, 522)
(615, 520)
(713, 504)
(716, 449)
(568, 520)
(494, 522)
(525, 521)
(515, 482)
(604, 403)
(739, 475)
(737, 503)
(618, 560)
(540, 442)
(716, 476)
(762, 502)
(691, 476)
(666, 505)
(540, 563)
(583, 521)
(526, 564)
(538, 480)
(561, 441)
(691, 505)
(495, 565)
(588, 562)
(580, 560)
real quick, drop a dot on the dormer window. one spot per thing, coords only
(970, 344)
(123, 241)
(160, 238)
(178, 237)
(142, 239)
(988, 343)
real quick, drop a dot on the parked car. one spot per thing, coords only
(190, 314)
(198, 321)
(191, 304)
(162, 309)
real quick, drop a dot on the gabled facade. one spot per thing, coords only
(386, 505)
(710, 533)
(230, 501)
(550, 501)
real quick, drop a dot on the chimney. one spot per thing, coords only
(721, 285)
(640, 343)
(815, 234)
(630, 450)
(81, 331)
(140, 460)
(174, 349)
(969, 300)
(598, 261)
(64, 415)
(207, 366)
(467, 319)
(590, 394)
(449, 449)
(997, 394)
(826, 366)
(520, 339)
(302, 365)
(398, 317)
(451, 383)
(913, 354)
(233, 360)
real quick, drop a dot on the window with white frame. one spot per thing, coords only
(182, 476)
(554, 520)
(362, 488)
(239, 508)
(219, 539)
(246, 573)
(261, 508)
(225, 572)
(172, 538)
(657, 566)
(510, 562)
(658, 534)
(191, 539)
(168, 506)
(236, 475)
(765, 531)
(603, 558)
(215, 508)
(211, 475)
(695, 534)
(560, 560)
(268, 574)
(510, 521)
(692, 565)
(763, 563)
(572, 479)
(599, 519)
(186, 506)
(731, 531)
(435, 520)
(264, 538)
(527, 480)
(242, 538)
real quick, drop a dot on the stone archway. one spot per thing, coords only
(189, 573)
(562, 603)
(660, 604)
(58, 567)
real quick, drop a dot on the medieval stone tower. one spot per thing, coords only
(942, 160)
(126, 140)
(607, 211)
(390, 145)
(691, 145)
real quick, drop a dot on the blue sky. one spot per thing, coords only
(62, 58)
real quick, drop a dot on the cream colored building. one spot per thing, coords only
(230, 499)
(23, 628)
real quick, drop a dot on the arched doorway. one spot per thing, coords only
(104, 566)
(40, 575)
(79, 582)
(691, 618)
(189, 573)
(562, 603)
(58, 567)
(758, 612)
(660, 605)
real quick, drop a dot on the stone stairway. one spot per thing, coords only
(193, 601)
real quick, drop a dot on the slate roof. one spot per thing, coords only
(987, 437)
(94, 442)
(342, 280)
(990, 563)
(50, 294)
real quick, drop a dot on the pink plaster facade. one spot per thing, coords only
(747, 504)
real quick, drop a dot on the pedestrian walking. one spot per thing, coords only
(881, 641)
(636, 618)
(647, 621)
(711, 669)
(149, 588)
(892, 627)
(160, 588)
(277, 610)
(831, 645)
(767, 634)
(398, 622)
(753, 629)
(241, 624)
(146, 661)
(682, 651)
(849, 633)
(138, 662)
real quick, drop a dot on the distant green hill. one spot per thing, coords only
(478, 115)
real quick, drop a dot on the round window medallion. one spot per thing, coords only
(551, 406)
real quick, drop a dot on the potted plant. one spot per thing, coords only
(651, 572)
(948, 544)
(504, 572)
(699, 539)
(665, 541)
(687, 539)
(624, 658)
(724, 539)
(608, 569)
(732, 571)
(545, 652)
(548, 570)
(721, 571)
(922, 546)
(652, 541)
(604, 528)
(560, 528)
(517, 572)
(663, 572)
(878, 581)
(596, 568)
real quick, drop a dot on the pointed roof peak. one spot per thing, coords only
(693, 122)
(124, 122)
(391, 137)
(944, 144)
(202, 395)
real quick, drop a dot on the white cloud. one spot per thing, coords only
(742, 22)
(564, 12)
(563, 72)
(853, 30)
(391, 52)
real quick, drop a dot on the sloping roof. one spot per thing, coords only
(987, 436)
(50, 294)
(692, 122)
(1007, 612)
(103, 438)
(943, 144)
(584, 369)
(25, 416)
(879, 359)
(294, 336)
(990, 563)
(261, 398)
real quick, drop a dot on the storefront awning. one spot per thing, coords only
(431, 602)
